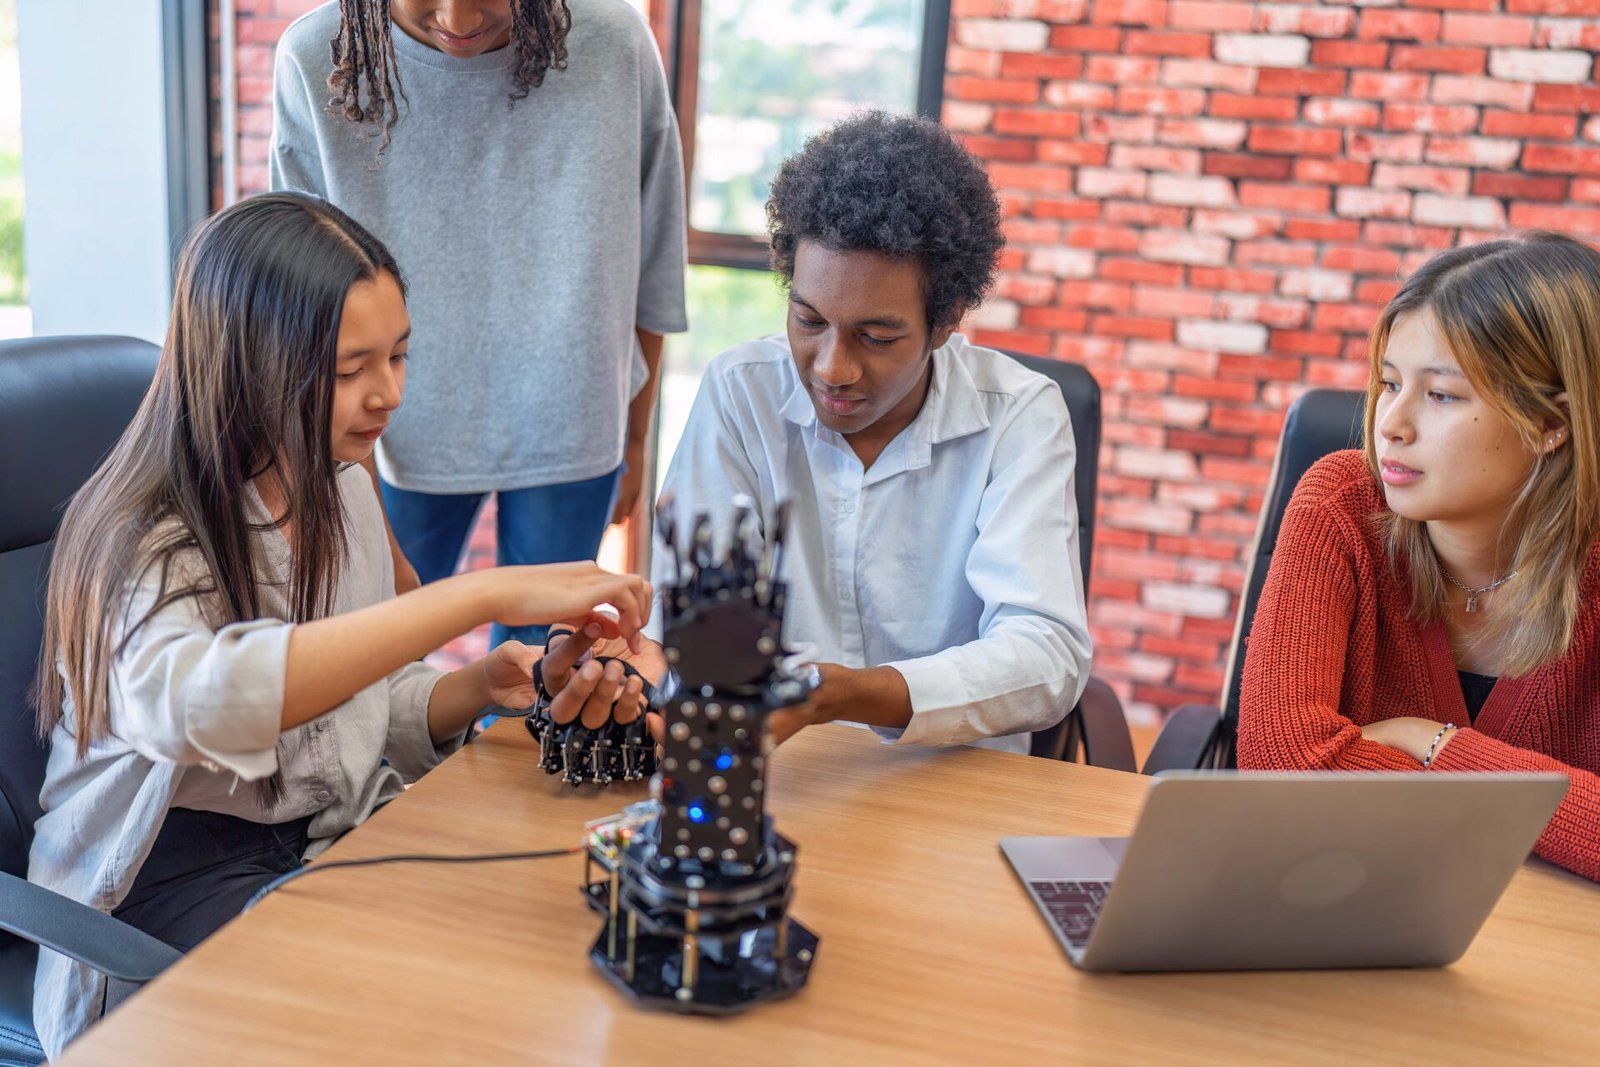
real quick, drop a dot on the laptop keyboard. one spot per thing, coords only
(1072, 907)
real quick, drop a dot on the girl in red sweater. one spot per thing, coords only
(1434, 600)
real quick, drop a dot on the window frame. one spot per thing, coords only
(678, 31)
(186, 32)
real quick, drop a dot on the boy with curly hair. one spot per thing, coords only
(931, 550)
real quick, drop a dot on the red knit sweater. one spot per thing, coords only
(1334, 647)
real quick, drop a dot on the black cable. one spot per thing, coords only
(486, 857)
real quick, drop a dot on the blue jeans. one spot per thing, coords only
(550, 524)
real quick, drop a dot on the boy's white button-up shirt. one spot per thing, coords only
(952, 559)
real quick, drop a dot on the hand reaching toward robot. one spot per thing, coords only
(583, 671)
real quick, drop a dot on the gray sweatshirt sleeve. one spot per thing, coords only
(295, 159)
(663, 240)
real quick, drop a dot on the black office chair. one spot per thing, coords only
(1199, 736)
(1097, 725)
(64, 401)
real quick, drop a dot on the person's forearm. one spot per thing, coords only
(643, 407)
(875, 696)
(1021, 674)
(1572, 837)
(1412, 735)
(457, 699)
(332, 659)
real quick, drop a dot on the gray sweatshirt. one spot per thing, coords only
(534, 238)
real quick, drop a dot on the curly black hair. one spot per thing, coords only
(900, 186)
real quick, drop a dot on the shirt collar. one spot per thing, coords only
(953, 408)
(797, 408)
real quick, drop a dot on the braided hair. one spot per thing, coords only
(366, 80)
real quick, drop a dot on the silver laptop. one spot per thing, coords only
(1261, 870)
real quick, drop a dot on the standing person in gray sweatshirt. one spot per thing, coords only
(521, 157)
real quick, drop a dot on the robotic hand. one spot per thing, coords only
(611, 752)
(696, 885)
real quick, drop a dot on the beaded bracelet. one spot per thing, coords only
(1427, 760)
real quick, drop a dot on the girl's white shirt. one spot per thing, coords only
(195, 713)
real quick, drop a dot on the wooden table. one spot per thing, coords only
(931, 952)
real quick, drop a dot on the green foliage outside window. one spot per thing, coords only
(727, 305)
(13, 272)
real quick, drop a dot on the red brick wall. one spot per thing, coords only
(1208, 203)
(259, 25)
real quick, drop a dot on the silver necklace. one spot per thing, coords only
(1474, 594)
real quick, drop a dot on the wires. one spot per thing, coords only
(486, 857)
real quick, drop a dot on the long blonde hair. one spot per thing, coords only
(1522, 318)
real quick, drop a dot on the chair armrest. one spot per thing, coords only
(80, 932)
(1186, 740)
(1059, 741)
(1106, 739)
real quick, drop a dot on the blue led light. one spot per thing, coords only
(724, 761)
(697, 813)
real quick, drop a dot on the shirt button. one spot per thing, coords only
(849, 508)
(322, 796)
(322, 724)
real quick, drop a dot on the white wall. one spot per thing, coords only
(94, 166)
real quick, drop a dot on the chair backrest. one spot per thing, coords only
(1096, 724)
(64, 401)
(1319, 422)
(1082, 394)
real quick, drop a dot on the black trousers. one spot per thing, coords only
(201, 871)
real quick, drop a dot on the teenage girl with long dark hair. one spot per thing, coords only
(227, 681)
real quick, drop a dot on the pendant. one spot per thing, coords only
(1472, 602)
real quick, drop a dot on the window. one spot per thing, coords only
(726, 306)
(754, 79)
(16, 320)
